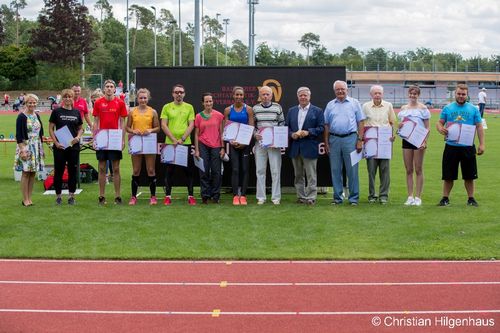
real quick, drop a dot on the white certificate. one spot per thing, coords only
(406, 128)
(198, 162)
(245, 133)
(356, 157)
(418, 136)
(371, 148)
(115, 137)
(384, 144)
(101, 140)
(149, 144)
(181, 155)
(280, 136)
(467, 133)
(64, 136)
(134, 144)
(177, 155)
(167, 154)
(267, 136)
(230, 131)
(453, 132)
(371, 133)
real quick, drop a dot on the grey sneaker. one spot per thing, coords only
(58, 200)
(71, 201)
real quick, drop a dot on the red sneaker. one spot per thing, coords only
(167, 201)
(191, 200)
(236, 200)
(133, 201)
(243, 200)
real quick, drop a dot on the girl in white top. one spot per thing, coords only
(414, 156)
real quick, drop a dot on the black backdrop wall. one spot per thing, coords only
(220, 81)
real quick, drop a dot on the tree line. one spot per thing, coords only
(47, 53)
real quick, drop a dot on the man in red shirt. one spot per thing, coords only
(109, 113)
(80, 104)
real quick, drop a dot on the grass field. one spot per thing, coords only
(288, 231)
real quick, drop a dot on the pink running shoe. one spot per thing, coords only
(243, 200)
(167, 201)
(191, 200)
(133, 201)
(153, 201)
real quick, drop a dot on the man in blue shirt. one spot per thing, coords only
(461, 112)
(343, 134)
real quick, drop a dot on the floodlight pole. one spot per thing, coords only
(197, 32)
(154, 8)
(217, 44)
(226, 23)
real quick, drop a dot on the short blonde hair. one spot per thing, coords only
(68, 92)
(144, 91)
(30, 96)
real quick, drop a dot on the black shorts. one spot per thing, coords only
(465, 156)
(112, 155)
(407, 145)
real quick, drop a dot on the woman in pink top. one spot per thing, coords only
(209, 146)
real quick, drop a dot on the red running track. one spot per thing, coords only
(249, 296)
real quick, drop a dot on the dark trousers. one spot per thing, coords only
(481, 109)
(61, 158)
(239, 166)
(210, 180)
(188, 171)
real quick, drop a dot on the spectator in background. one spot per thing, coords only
(6, 98)
(482, 101)
(80, 104)
(29, 149)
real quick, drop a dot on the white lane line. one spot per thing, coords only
(254, 284)
(251, 313)
(226, 262)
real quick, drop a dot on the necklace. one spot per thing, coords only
(204, 115)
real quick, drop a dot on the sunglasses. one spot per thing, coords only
(178, 92)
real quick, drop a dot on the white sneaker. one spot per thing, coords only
(261, 201)
(417, 202)
(410, 201)
(276, 201)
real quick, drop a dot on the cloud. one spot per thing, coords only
(467, 27)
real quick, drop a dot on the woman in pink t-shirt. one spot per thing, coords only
(208, 145)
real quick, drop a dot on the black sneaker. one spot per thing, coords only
(58, 201)
(118, 200)
(472, 202)
(102, 201)
(444, 202)
(71, 201)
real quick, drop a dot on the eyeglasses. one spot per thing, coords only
(178, 92)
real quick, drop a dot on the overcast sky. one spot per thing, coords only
(468, 27)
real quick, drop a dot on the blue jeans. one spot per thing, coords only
(210, 180)
(340, 150)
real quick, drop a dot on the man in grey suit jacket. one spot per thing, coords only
(305, 128)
